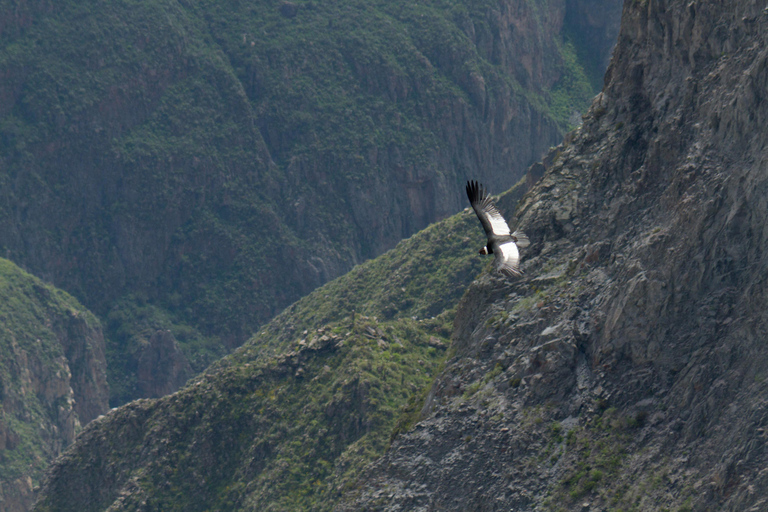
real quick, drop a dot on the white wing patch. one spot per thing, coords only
(498, 224)
(508, 261)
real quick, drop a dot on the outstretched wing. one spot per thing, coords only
(492, 221)
(507, 259)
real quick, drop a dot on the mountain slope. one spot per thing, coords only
(626, 370)
(52, 379)
(195, 167)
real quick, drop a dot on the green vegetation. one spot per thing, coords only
(422, 278)
(595, 456)
(288, 432)
(573, 91)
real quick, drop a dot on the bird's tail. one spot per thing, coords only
(521, 239)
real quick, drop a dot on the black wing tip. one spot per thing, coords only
(475, 191)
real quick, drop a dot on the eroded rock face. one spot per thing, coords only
(627, 367)
(162, 367)
(52, 380)
(83, 344)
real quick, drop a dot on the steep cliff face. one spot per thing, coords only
(626, 370)
(52, 379)
(219, 161)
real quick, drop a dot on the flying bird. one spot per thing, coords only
(501, 243)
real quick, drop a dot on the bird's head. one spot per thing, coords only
(484, 250)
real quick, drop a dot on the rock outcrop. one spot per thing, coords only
(52, 380)
(627, 369)
(162, 367)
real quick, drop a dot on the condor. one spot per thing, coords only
(501, 243)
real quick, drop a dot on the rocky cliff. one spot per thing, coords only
(627, 369)
(52, 380)
(193, 167)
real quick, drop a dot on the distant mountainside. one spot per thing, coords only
(189, 169)
(52, 379)
(625, 371)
